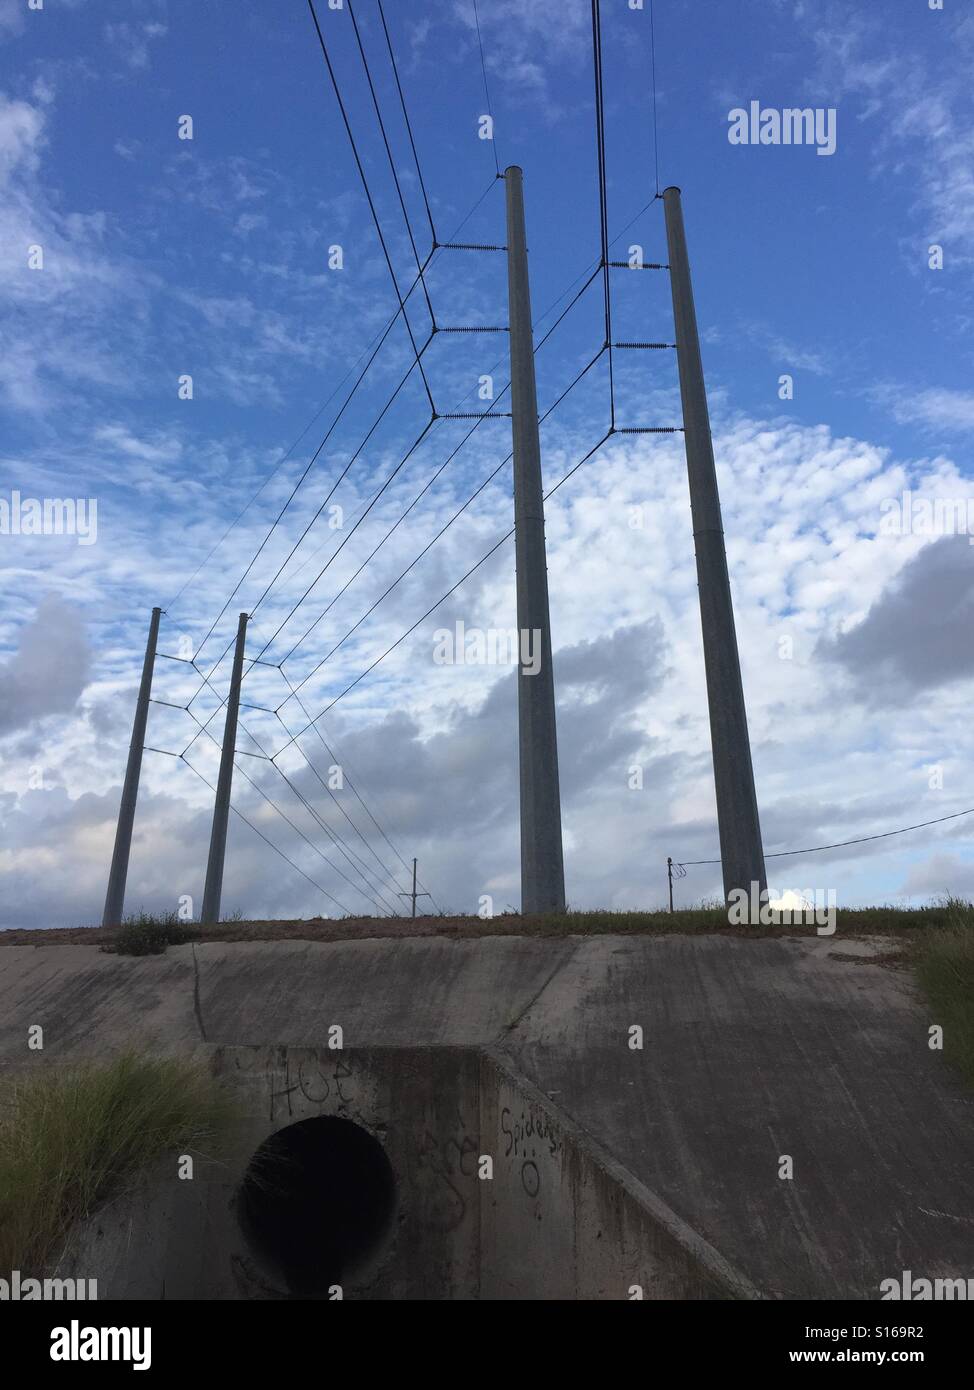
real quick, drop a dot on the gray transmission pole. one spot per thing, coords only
(213, 888)
(741, 852)
(115, 897)
(542, 864)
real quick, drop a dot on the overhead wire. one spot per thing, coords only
(328, 830)
(346, 778)
(409, 126)
(603, 263)
(603, 196)
(392, 163)
(371, 202)
(443, 597)
(842, 844)
(483, 68)
(277, 850)
(382, 337)
(443, 529)
(652, 49)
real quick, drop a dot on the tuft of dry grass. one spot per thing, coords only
(71, 1138)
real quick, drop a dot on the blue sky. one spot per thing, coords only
(209, 257)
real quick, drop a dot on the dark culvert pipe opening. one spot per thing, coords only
(316, 1201)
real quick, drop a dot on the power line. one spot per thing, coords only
(483, 69)
(336, 839)
(494, 548)
(315, 816)
(489, 479)
(480, 200)
(841, 844)
(594, 271)
(591, 271)
(392, 162)
(294, 491)
(313, 722)
(409, 128)
(333, 835)
(374, 348)
(371, 556)
(652, 49)
(401, 464)
(347, 779)
(371, 202)
(354, 789)
(480, 419)
(449, 458)
(603, 197)
(277, 468)
(417, 362)
(237, 812)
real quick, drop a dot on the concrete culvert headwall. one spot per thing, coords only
(393, 1173)
(348, 1167)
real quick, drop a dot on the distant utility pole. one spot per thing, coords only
(213, 888)
(542, 864)
(741, 852)
(115, 897)
(414, 895)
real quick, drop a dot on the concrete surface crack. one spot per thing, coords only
(196, 995)
(514, 1022)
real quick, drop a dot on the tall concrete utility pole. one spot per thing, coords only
(115, 897)
(741, 852)
(542, 864)
(213, 887)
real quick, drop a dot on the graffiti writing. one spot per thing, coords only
(450, 1160)
(526, 1136)
(317, 1082)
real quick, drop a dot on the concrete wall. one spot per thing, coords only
(558, 1219)
(754, 1049)
(562, 1220)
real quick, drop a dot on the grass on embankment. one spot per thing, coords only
(944, 964)
(71, 1138)
(712, 917)
(146, 935)
(149, 935)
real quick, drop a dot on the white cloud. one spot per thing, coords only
(524, 43)
(921, 116)
(48, 343)
(939, 407)
(131, 41)
(938, 876)
(21, 135)
(48, 671)
(13, 14)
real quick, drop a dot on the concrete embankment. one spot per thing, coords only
(683, 1116)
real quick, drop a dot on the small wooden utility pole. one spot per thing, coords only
(414, 895)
